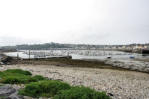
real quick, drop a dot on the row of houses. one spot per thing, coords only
(131, 47)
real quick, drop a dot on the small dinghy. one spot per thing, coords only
(131, 57)
(109, 57)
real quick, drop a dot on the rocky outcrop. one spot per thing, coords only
(130, 65)
(8, 92)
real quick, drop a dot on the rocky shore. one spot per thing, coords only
(9, 92)
(118, 84)
(135, 65)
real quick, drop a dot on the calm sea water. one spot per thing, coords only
(76, 54)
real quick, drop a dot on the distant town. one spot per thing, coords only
(48, 46)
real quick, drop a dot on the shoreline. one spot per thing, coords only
(125, 64)
(139, 65)
(67, 62)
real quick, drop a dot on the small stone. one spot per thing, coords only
(110, 94)
(27, 97)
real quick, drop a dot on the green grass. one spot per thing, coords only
(18, 71)
(38, 86)
(37, 78)
(60, 90)
(4, 97)
(47, 88)
(18, 76)
(15, 79)
(81, 93)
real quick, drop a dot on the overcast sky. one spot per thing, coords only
(74, 21)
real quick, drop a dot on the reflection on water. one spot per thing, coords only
(20, 54)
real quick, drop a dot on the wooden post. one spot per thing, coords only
(17, 56)
(29, 54)
(104, 50)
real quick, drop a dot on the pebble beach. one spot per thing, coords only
(118, 84)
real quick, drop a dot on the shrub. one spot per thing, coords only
(1, 75)
(46, 88)
(37, 78)
(18, 76)
(18, 71)
(81, 93)
(21, 79)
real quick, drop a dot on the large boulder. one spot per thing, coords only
(8, 92)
